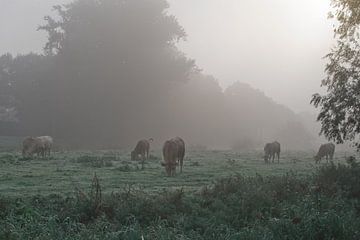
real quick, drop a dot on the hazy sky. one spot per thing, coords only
(274, 45)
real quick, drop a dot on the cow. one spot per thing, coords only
(47, 144)
(142, 148)
(272, 149)
(173, 154)
(326, 150)
(31, 146)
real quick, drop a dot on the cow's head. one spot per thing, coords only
(317, 159)
(170, 168)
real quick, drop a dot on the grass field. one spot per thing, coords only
(64, 172)
(220, 195)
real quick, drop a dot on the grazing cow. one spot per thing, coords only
(326, 150)
(142, 148)
(47, 144)
(173, 153)
(39, 145)
(32, 145)
(272, 149)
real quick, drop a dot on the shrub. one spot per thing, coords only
(344, 179)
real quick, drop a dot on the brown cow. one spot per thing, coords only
(272, 149)
(173, 154)
(142, 148)
(326, 150)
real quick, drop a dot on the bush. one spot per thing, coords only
(339, 179)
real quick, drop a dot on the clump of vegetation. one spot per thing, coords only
(125, 168)
(8, 158)
(195, 164)
(94, 161)
(231, 162)
(24, 159)
(111, 156)
(340, 179)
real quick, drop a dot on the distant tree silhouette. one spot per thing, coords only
(6, 84)
(116, 62)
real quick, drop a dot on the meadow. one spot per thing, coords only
(65, 171)
(220, 195)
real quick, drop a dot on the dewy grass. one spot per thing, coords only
(220, 195)
(238, 207)
(60, 172)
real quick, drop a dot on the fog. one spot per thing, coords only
(230, 39)
(115, 77)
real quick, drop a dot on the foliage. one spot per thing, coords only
(332, 179)
(340, 107)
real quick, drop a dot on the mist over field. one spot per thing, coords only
(155, 69)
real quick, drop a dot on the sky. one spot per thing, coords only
(277, 46)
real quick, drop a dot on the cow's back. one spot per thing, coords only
(170, 151)
(276, 148)
(141, 146)
(47, 141)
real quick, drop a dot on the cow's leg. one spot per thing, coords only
(142, 161)
(173, 169)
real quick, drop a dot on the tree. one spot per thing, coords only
(116, 63)
(6, 84)
(23, 92)
(340, 106)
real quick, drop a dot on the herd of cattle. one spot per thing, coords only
(173, 151)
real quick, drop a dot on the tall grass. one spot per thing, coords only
(325, 206)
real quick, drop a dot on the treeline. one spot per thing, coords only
(111, 73)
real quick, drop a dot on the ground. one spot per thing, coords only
(219, 195)
(66, 171)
